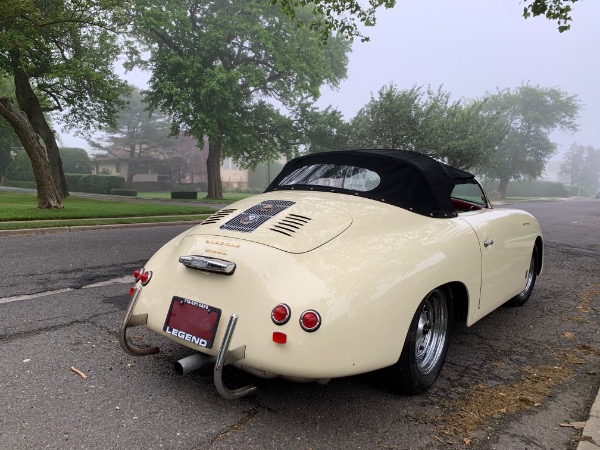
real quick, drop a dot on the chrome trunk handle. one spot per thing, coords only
(208, 264)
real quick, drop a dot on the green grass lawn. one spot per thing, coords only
(19, 209)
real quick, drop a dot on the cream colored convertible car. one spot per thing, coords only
(350, 262)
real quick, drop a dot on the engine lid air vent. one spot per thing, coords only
(291, 224)
(254, 217)
(216, 217)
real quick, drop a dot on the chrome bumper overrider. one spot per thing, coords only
(134, 321)
(227, 357)
(224, 357)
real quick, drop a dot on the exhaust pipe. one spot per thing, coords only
(193, 362)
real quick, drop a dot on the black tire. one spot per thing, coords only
(521, 298)
(426, 345)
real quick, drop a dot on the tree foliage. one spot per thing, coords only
(60, 54)
(531, 113)
(558, 10)
(325, 130)
(238, 72)
(342, 16)
(75, 160)
(346, 16)
(459, 132)
(581, 166)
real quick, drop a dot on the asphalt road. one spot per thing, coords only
(510, 381)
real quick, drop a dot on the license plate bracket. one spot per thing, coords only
(192, 321)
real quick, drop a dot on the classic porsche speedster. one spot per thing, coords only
(349, 262)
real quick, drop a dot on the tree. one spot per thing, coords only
(60, 55)
(137, 134)
(75, 160)
(531, 113)
(581, 166)
(459, 132)
(9, 141)
(237, 72)
(47, 191)
(325, 130)
(390, 120)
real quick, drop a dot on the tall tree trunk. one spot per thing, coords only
(502, 187)
(213, 169)
(132, 166)
(47, 193)
(30, 104)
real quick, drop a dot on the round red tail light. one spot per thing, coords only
(137, 273)
(281, 314)
(310, 320)
(145, 278)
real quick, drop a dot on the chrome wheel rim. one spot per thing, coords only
(529, 279)
(431, 332)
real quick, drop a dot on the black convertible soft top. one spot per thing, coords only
(408, 179)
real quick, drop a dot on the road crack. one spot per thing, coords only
(236, 426)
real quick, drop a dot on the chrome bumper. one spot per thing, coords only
(224, 357)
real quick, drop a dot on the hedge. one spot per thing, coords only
(95, 184)
(125, 192)
(184, 195)
(536, 188)
(21, 184)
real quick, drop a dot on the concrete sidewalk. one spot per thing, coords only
(590, 438)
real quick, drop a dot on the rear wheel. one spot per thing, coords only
(425, 346)
(530, 277)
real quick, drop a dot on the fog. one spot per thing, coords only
(470, 47)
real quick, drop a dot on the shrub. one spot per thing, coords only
(96, 184)
(184, 195)
(125, 192)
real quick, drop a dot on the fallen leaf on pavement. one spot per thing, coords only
(576, 425)
(80, 373)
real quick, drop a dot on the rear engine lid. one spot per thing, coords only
(294, 226)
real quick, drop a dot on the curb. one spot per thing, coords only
(590, 438)
(49, 230)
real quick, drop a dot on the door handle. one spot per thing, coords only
(488, 242)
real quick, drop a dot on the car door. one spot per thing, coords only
(505, 244)
(505, 254)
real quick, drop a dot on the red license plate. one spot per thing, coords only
(192, 321)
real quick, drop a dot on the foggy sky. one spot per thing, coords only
(470, 47)
(475, 46)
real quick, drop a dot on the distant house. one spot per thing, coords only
(155, 172)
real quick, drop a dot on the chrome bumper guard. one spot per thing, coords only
(134, 321)
(227, 357)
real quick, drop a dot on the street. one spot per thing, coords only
(518, 379)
